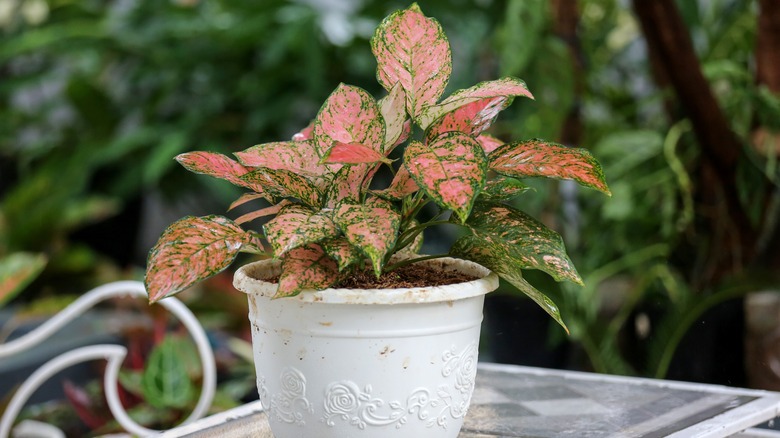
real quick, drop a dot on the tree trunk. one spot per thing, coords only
(725, 237)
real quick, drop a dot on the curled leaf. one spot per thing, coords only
(353, 153)
(340, 250)
(474, 109)
(393, 110)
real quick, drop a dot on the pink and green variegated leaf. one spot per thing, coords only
(502, 189)
(349, 116)
(305, 133)
(218, 166)
(371, 227)
(474, 109)
(306, 267)
(263, 212)
(497, 259)
(393, 110)
(353, 153)
(299, 157)
(411, 49)
(190, 250)
(452, 170)
(402, 186)
(528, 242)
(489, 143)
(286, 184)
(346, 185)
(538, 158)
(243, 199)
(342, 252)
(295, 226)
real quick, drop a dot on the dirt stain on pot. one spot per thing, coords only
(301, 353)
(405, 364)
(386, 351)
(326, 324)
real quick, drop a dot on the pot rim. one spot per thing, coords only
(249, 279)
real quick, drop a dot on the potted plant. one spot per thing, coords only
(340, 349)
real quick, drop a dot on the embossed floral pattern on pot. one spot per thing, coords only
(290, 404)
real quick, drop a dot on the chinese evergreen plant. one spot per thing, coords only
(328, 222)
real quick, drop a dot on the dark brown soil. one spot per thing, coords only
(414, 275)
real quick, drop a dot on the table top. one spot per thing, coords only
(517, 401)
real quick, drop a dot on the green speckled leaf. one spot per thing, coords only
(452, 170)
(502, 189)
(372, 227)
(295, 226)
(496, 258)
(411, 49)
(551, 160)
(342, 252)
(528, 242)
(191, 250)
(299, 157)
(306, 267)
(286, 184)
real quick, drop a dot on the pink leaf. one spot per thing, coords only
(246, 197)
(296, 226)
(537, 158)
(489, 143)
(191, 250)
(299, 157)
(402, 185)
(411, 49)
(349, 116)
(353, 153)
(218, 166)
(263, 212)
(451, 169)
(393, 110)
(285, 184)
(307, 267)
(342, 252)
(305, 133)
(371, 227)
(475, 108)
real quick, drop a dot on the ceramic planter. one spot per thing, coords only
(360, 363)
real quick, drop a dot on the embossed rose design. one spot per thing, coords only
(466, 370)
(293, 382)
(342, 399)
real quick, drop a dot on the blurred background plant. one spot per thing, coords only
(678, 99)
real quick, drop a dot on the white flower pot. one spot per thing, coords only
(366, 363)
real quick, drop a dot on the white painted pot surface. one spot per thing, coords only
(366, 363)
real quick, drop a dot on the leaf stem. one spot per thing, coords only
(403, 263)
